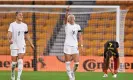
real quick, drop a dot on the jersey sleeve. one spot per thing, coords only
(26, 28)
(79, 28)
(10, 28)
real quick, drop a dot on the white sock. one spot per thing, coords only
(68, 69)
(20, 67)
(75, 66)
(13, 65)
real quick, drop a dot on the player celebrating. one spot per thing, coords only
(111, 49)
(72, 30)
(17, 33)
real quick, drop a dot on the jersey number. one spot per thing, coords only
(110, 44)
(18, 33)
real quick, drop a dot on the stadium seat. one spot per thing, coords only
(100, 29)
(4, 50)
(128, 22)
(89, 29)
(95, 16)
(131, 52)
(127, 51)
(128, 43)
(91, 51)
(100, 51)
(129, 36)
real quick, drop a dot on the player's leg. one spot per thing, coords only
(13, 64)
(20, 65)
(105, 69)
(106, 64)
(76, 63)
(116, 64)
(68, 62)
(75, 57)
(20, 62)
(67, 51)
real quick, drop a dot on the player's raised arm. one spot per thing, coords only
(67, 11)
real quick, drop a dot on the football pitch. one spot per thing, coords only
(5, 75)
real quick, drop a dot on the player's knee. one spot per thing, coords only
(67, 58)
(20, 56)
(14, 59)
(76, 59)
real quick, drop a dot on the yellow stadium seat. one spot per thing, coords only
(129, 29)
(128, 43)
(100, 29)
(129, 36)
(127, 51)
(95, 16)
(89, 29)
(100, 51)
(131, 52)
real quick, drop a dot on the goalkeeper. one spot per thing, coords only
(111, 49)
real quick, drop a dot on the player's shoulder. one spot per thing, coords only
(12, 23)
(67, 24)
(24, 24)
(76, 24)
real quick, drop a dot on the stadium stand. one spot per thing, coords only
(47, 25)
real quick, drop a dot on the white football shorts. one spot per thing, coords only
(71, 49)
(15, 52)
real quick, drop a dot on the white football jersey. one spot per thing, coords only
(71, 32)
(18, 34)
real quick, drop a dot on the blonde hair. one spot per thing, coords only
(71, 15)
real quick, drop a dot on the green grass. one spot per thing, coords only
(5, 75)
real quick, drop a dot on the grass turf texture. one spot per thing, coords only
(5, 75)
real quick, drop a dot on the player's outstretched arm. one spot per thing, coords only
(29, 40)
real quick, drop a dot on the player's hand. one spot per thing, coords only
(32, 46)
(10, 42)
(82, 49)
(67, 9)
